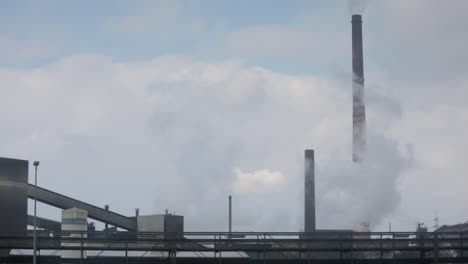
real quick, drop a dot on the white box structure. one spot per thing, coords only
(74, 219)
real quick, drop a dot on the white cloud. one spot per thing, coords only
(172, 125)
(167, 133)
(257, 181)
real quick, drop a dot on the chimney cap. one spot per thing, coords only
(309, 153)
(356, 18)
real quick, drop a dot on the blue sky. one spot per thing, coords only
(192, 28)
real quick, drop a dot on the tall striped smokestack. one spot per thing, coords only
(359, 108)
(309, 192)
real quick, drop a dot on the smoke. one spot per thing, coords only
(351, 193)
(357, 7)
(189, 123)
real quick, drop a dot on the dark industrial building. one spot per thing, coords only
(13, 184)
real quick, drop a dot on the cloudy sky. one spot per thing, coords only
(177, 104)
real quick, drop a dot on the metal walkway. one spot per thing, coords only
(94, 212)
(317, 247)
(45, 223)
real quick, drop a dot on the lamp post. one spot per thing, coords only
(36, 164)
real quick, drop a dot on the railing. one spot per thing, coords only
(436, 247)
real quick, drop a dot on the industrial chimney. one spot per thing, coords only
(309, 192)
(359, 109)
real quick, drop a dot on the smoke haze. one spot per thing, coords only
(357, 7)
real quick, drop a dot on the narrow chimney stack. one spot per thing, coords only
(230, 214)
(359, 109)
(309, 194)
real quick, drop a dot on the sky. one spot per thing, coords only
(178, 104)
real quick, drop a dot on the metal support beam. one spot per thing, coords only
(45, 223)
(94, 212)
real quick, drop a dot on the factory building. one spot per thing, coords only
(168, 225)
(15, 191)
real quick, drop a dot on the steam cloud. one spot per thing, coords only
(350, 193)
(357, 7)
(194, 121)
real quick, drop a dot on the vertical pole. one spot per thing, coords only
(300, 249)
(421, 243)
(436, 248)
(36, 163)
(230, 215)
(309, 191)
(341, 251)
(258, 250)
(81, 248)
(462, 239)
(381, 247)
(106, 207)
(126, 253)
(263, 246)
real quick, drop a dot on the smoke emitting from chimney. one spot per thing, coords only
(357, 6)
(359, 109)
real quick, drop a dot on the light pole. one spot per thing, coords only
(36, 164)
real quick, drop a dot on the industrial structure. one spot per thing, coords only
(359, 108)
(161, 238)
(309, 191)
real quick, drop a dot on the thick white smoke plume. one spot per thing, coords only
(351, 193)
(357, 7)
(187, 124)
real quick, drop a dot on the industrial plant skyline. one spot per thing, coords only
(178, 104)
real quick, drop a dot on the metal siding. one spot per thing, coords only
(13, 197)
(150, 223)
(174, 225)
